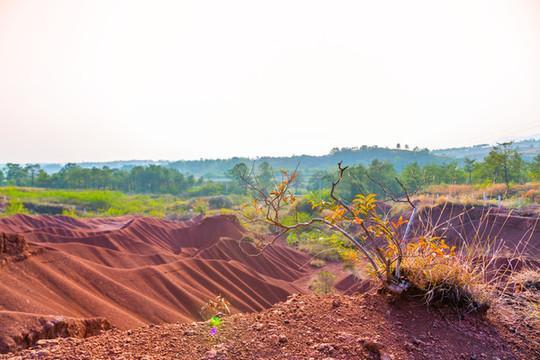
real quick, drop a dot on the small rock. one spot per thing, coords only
(336, 303)
(324, 347)
(370, 345)
(344, 336)
(417, 341)
(409, 346)
(42, 342)
(43, 353)
(282, 339)
(211, 354)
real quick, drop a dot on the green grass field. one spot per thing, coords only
(94, 202)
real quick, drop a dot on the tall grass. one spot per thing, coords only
(482, 271)
(517, 196)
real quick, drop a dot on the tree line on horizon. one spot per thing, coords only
(503, 164)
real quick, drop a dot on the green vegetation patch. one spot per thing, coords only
(92, 202)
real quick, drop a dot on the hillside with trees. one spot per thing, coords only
(503, 164)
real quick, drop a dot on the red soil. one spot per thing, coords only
(66, 277)
(134, 271)
(309, 327)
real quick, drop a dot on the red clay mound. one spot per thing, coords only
(515, 232)
(13, 247)
(134, 270)
(30, 328)
(352, 284)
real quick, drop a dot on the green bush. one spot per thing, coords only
(330, 247)
(16, 206)
(219, 202)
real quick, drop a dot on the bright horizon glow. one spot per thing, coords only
(119, 80)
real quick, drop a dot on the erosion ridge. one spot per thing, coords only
(134, 271)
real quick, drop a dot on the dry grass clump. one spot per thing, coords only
(324, 283)
(519, 299)
(525, 280)
(516, 196)
(444, 277)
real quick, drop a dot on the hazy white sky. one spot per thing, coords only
(103, 80)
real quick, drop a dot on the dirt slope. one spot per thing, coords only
(309, 327)
(515, 231)
(134, 271)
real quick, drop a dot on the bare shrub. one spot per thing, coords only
(380, 242)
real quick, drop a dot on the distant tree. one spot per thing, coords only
(239, 172)
(265, 175)
(449, 173)
(299, 182)
(469, 167)
(406, 146)
(382, 178)
(1, 177)
(534, 168)
(398, 146)
(32, 170)
(504, 163)
(16, 174)
(42, 179)
(412, 177)
(319, 180)
(354, 182)
(517, 167)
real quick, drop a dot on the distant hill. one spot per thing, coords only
(527, 148)
(118, 164)
(308, 163)
(216, 168)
